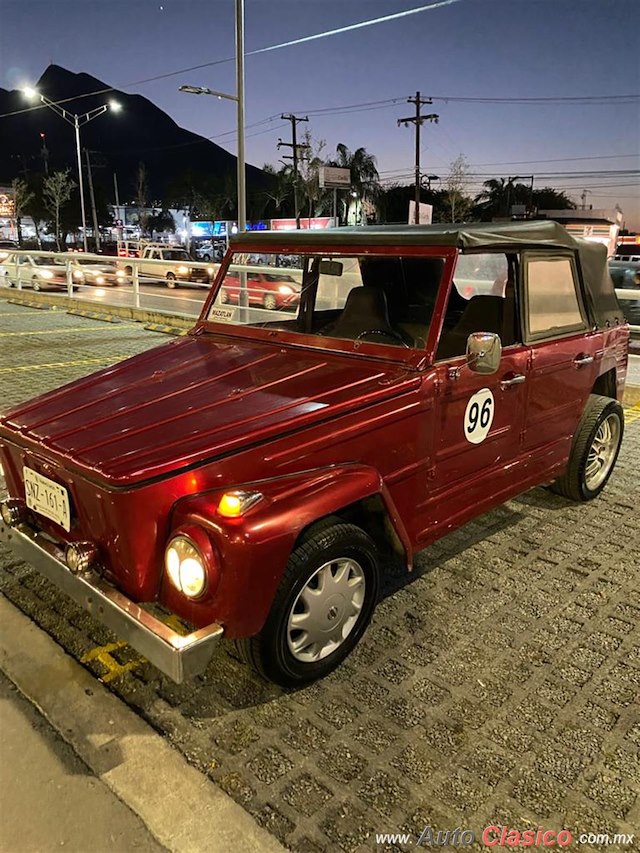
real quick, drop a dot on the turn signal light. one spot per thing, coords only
(234, 504)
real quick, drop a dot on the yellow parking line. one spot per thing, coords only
(64, 331)
(50, 365)
(19, 313)
(114, 669)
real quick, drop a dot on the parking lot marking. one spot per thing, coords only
(18, 313)
(632, 414)
(53, 364)
(63, 330)
(103, 654)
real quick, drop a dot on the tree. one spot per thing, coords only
(22, 197)
(309, 167)
(547, 198)
(365, 181)
(161, 221)
(56, 192)
(278, 192)
(458, 204)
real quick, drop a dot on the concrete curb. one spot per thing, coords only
(180, 807)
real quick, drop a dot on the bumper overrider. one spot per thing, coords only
(178, 656)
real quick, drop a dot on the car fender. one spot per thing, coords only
(254, 549)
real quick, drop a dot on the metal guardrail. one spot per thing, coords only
(75, 261)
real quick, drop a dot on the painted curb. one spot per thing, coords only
(180, 807)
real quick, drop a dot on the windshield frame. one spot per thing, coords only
(359, 348)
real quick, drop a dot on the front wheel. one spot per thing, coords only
(595, 448)
(171, 280)
(35, 284)
(324, 603)
(269, 301)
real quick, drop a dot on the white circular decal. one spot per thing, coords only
(478, 416)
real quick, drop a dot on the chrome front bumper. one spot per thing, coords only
(180, 657)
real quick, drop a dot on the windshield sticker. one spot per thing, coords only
(224, 315)
(478, 416)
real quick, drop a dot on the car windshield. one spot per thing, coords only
(48, 262)
(383, 299)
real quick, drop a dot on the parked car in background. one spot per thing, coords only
(625, 272)
(39, 273)
(271, 290)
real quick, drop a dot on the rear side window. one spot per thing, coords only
(553, 304)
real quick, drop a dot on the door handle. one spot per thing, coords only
(582, 359)
(518, 379)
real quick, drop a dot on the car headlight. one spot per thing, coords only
(77, 274)
(210, 270)
(183, 270)
(46, 273)
(100, 279)
(185, 566)
(120, 274)
(285, 289)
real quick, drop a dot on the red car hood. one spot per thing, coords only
(193, 399)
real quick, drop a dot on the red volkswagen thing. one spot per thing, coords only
(254, 477)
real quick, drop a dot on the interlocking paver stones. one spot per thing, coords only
(497, 684)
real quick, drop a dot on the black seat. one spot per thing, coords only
(364, 311)
(482, 314)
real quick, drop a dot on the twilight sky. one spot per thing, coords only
(471, 49)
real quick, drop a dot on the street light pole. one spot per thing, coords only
(76, 121)
(239, 99)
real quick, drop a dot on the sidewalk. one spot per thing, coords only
(88, 774)
(50, 798)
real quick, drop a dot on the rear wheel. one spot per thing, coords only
(324, 603)
(269, 301)
(35, 284)
(594, 452)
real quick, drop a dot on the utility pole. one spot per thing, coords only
(296, 148)
(45, 153)
(96, 231)
(417, 120)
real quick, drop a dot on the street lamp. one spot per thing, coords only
(239, 99)
(76, 121)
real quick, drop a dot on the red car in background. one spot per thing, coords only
(270, 290)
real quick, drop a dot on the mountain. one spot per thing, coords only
(140, 132)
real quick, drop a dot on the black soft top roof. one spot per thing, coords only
(477, 235)
(536, 234)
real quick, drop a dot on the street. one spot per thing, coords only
(496, 685)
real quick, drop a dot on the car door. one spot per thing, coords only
(564, 352)
(479, 418)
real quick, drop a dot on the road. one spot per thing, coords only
(497, 685)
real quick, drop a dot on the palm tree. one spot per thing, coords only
(365, 181)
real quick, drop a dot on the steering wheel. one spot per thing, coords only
(387, 333)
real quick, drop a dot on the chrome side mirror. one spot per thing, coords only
(484, 351)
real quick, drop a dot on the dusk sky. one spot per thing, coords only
(470, 49)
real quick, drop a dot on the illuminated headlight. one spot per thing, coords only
(183, 270)
(100, 279)
(80, 556)
(185, 566)
(285, 289)
(236, 503)
(120, 274)
(210, 270)
(46, 273)
(78, 274)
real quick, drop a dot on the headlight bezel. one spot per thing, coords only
(191, 544)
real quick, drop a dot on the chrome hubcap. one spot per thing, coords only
(326, 610)
(602, 452)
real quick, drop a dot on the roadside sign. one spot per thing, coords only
(332, 176)
(425, 213)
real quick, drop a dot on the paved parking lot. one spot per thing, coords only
(498, 686)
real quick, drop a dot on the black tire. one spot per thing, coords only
(574, 483)
(268, 652)
(171, 280)
(128, 271)
(35, 284)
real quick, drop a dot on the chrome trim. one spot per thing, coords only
(180, 657)
(518, 379)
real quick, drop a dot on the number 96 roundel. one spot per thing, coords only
(478, 416)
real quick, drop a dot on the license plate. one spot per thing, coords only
(47, 498)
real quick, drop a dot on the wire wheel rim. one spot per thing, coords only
(269, 301)
(602, 452)
(326, 610)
